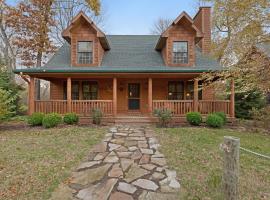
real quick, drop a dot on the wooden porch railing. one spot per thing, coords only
(81, 107)
(210, 106)
(58, 106)
(181, 107)
(176, 106)
(85, 107)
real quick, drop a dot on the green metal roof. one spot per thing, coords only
(128, 54)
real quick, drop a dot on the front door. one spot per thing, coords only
(133, 96)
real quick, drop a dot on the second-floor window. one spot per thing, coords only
(85, 52)
(180, 52)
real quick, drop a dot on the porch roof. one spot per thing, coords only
(128, 54)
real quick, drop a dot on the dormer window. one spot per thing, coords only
(85, 52)
(180, 52)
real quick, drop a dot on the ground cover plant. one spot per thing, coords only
(194, 153)
(34, 162)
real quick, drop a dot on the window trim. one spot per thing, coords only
(77, 52)
(180, 63)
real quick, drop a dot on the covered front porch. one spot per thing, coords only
(129, 95)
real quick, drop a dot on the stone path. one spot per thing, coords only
(126, 165)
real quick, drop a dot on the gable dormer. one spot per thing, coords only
(177, 44)
(87, 42)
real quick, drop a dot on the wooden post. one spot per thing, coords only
(231, 167)
(150, 95)
(196, 95)
(69, 98)
(31, 96)
(114, 96)
(232, 99)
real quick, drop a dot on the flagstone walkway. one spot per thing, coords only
(126, 165)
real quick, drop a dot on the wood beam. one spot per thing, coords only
(69, 94)
(114, 96)
(150, 95)
(196, 95)
(31, 96)
(232, 100)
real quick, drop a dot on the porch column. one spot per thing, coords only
(31, 96)
(232, 112)
(196, 96)
(69, 94)
(114, 96)
(150, 95)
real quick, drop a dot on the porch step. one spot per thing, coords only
(133, 119)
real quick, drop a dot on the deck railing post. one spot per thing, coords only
(114, 96)
(150, 95)
(196, 96)
(69, 94)
(231, 147)
(232, 99)
(31, 96)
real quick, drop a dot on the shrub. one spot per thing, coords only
(96, 116)
(36, 119)
(71, 118)
(246, 101)
(51, 120)
(164, 116)
(222, 115)
(214, 121)
(194, 118)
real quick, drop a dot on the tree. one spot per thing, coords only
(7, 52)
(9, 93)
(238, 26)
(160, 25)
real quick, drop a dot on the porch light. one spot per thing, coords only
(21, 73)
(188, 94)
(170, 94)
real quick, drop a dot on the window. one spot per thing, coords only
(85, 52)
(74, 90)
(190, 90)
(90, 90)
(180, 52)
(176, 90)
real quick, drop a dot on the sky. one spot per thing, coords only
(136, 17)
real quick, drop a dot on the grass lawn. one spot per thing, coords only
(33, 162)
(194, 153)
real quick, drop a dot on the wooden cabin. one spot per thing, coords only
(128, 76)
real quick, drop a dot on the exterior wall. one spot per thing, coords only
(180, 32)
(83, 32)
(56, 90)
(203, 21)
